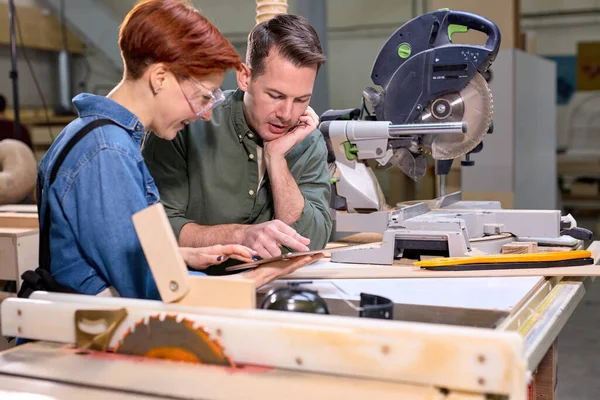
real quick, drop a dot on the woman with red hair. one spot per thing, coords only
(93, 178)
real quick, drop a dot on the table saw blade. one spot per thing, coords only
(473, 104)
(167, 337)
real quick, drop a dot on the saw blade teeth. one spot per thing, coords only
(477, 111)
(128, 331)
(196, 325)
(131, 330)
(173, 336)
(217, 342)
(189, 323)
(182, 319)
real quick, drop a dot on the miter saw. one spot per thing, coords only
(434, 100)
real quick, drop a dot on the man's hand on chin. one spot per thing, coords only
(277, 149)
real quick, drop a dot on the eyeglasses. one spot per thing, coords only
(201, 99)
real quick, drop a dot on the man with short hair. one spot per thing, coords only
(255, 174)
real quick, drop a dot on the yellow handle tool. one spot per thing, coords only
(505, 258)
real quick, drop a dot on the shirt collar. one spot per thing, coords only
(239, 120)
(89, 105)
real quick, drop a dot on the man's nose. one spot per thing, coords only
(284, 112)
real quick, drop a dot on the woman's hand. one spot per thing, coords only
(204, 257)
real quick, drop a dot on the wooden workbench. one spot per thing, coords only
(532, 309)
(19, 241)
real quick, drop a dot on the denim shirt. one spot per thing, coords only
(100, 185)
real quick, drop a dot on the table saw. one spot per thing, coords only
(450, 339)
(371, 324)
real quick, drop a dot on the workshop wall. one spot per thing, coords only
(92, 72)
(357, 30)
(556, 27)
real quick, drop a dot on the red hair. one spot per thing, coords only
(176, 34)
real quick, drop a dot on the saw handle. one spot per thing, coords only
(475, 22)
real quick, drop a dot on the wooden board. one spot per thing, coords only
(40, 30)
(21, 388)
(162, 252)
(328, 270)
(460, 358)
(96, 372)
(169, 270)
(544, 380)
(18, 220)
(590, 166)
(325, 269)
(221, 292)
(465, 396)
(19, 249)
(17, 232)
(520, 248)
(8, 258)
(588, 54)
(360, 238)
(19, 208)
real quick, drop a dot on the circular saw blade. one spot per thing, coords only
(473, 104)
(170, 339)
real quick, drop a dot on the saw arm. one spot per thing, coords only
(353, 141)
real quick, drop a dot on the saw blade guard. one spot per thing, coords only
(429, 31)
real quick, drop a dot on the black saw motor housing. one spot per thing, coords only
(419, 62)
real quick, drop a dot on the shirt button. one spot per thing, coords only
(251, 156)
(138, 127)
(250, 135)
(251, 192)
(239, 136)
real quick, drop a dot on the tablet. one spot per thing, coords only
(289, 256)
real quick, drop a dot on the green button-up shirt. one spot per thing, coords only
(209, 175)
